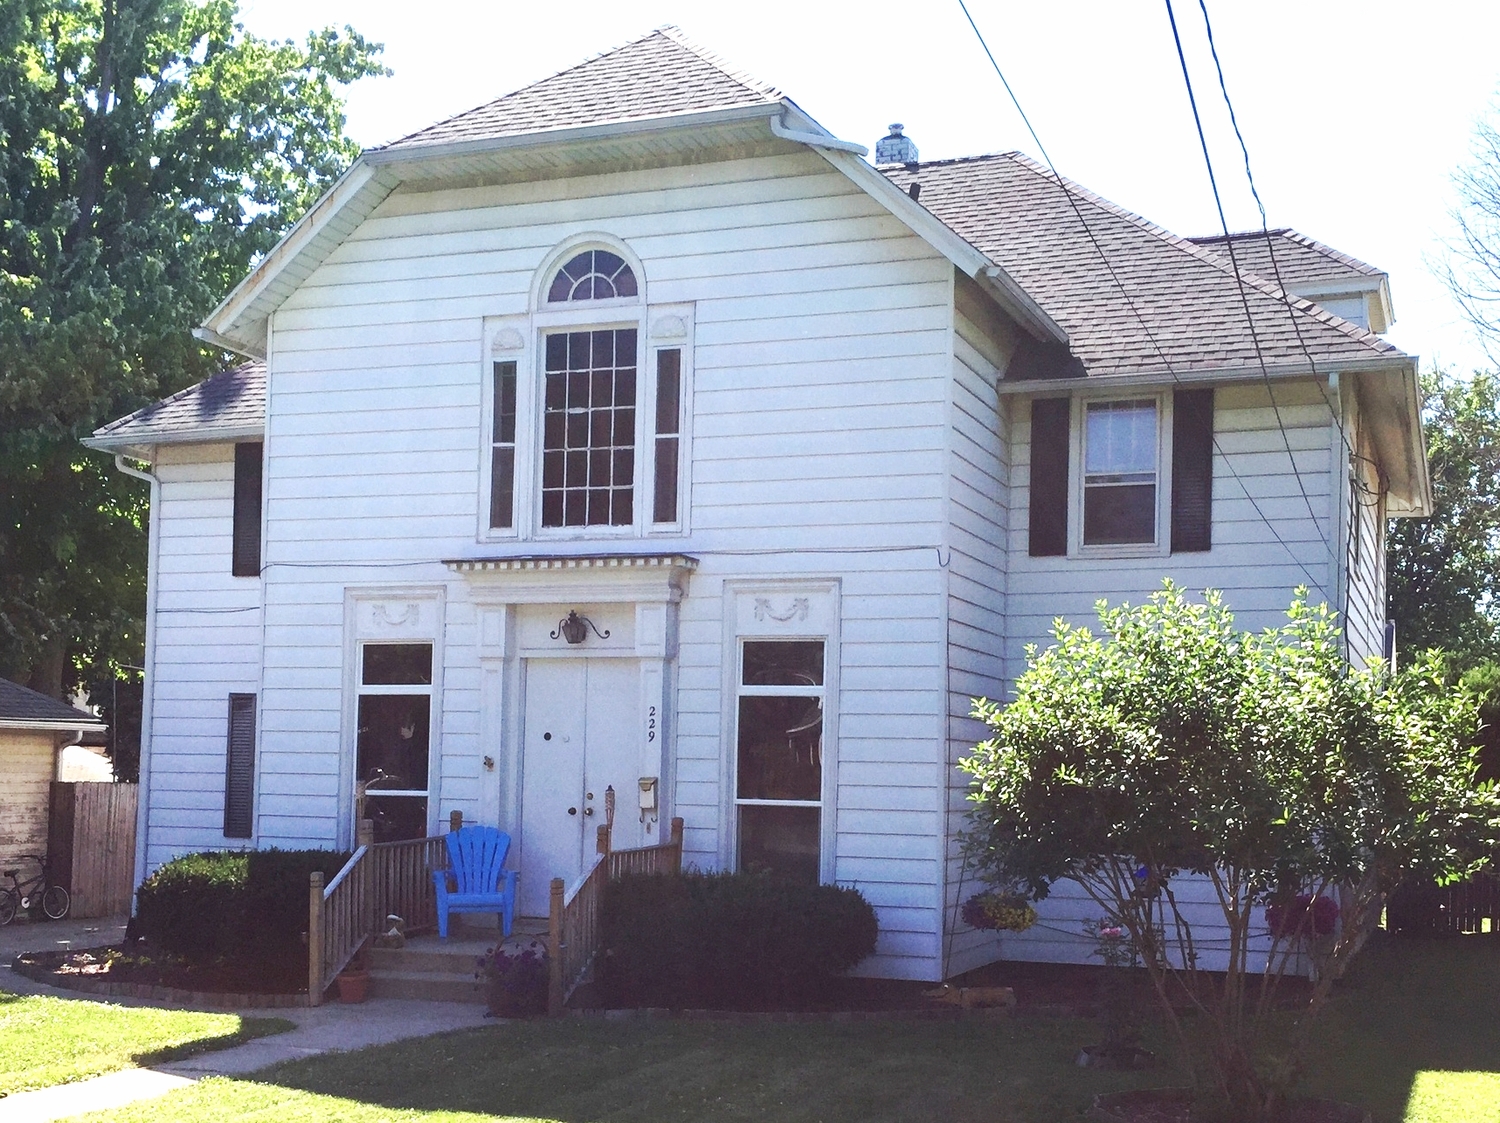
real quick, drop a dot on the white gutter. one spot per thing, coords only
(1160, 377)
(148, 688)
(816, 140)
(61, 725)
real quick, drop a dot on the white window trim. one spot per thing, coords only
(1162, 546)
(522, 340)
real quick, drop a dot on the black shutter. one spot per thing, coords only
(1192, 470)
(239, 767)
(247, 474)
(1049, 477)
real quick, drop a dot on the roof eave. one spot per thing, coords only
(1201, 376)
(62, 725)
(138, 444)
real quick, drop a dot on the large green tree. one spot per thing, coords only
(1444, 571)
(150, 151)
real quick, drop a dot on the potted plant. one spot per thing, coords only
(1003, 912)
(515, 980)
(1119, 1019)
(354, 980)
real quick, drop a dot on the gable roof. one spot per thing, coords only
(1180, 311)
(661, 75)
(228, 406)
(24, 708)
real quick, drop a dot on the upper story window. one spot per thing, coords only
(1122, 476)
(592, 275)
(587, 407)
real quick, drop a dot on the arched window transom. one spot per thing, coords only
(592, 275)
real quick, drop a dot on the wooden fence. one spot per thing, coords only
(379, 879)
(91, 845)
(573, 916)
(1467, 908)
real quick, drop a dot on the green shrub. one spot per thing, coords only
(246, 904)
(728, 941)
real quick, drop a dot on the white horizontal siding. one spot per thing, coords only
(208, 639)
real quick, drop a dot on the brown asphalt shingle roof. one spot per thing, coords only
(231, 401)
(1187, 314)
(1299, 260)
(659, 75)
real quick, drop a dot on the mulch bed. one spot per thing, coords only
(142, 973)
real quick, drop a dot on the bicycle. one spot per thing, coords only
(33, 893)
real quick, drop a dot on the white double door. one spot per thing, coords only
(579, 739)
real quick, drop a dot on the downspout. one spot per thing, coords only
(817, 140)
(148, 688)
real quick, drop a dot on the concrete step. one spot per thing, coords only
(429, 985)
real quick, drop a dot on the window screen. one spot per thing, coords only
(1119, 472)
(668, 425)
(503, 449)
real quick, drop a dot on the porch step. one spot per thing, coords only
(430, 986)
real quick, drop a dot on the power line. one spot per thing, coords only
(1135, 311)
(1239, 283)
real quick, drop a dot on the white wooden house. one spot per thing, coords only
(633, 432)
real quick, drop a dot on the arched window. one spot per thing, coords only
(592, 275)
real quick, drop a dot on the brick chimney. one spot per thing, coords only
(895, 148)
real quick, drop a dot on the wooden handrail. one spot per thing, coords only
(574, 912)
(378, 880)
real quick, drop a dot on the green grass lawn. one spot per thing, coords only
(46, 1041)
(1414, 1034)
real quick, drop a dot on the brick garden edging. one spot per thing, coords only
(177, 995)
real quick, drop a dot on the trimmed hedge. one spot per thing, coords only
(741, 941)
(246, 904)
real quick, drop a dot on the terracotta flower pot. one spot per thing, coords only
(353, 985)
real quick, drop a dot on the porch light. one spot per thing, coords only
(575, 628)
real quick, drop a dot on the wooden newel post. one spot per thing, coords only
(676, 841)
(554, 949)
(315, 938)
(455, 820)
(364, 833)
(601, 844)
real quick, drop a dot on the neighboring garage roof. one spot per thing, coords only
(229, 406)
(626, 84)
(1187, 316)
(23, 708)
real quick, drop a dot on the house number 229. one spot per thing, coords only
(650, 724)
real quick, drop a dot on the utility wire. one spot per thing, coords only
(1265, 230)
(1135, 311)
(1239, 283)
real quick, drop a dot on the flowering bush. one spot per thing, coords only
(1002, 911)
(515, 981)
(1303, 915)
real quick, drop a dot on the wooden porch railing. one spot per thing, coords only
(573, 916)
(379, 879)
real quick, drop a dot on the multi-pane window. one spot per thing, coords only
(503, 448)
(592, 275)
(1120, 456)
(668, 430)
(395, 718)
(588, 428)
(779, 757)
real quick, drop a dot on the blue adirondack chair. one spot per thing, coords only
(474, 880)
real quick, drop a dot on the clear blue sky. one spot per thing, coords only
(1355, 114)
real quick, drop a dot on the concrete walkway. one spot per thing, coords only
(324, 1029)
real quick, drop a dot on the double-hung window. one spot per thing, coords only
(587, 409)
(1121, 476)
(1121, 453)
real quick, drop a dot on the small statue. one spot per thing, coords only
(394, 935)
